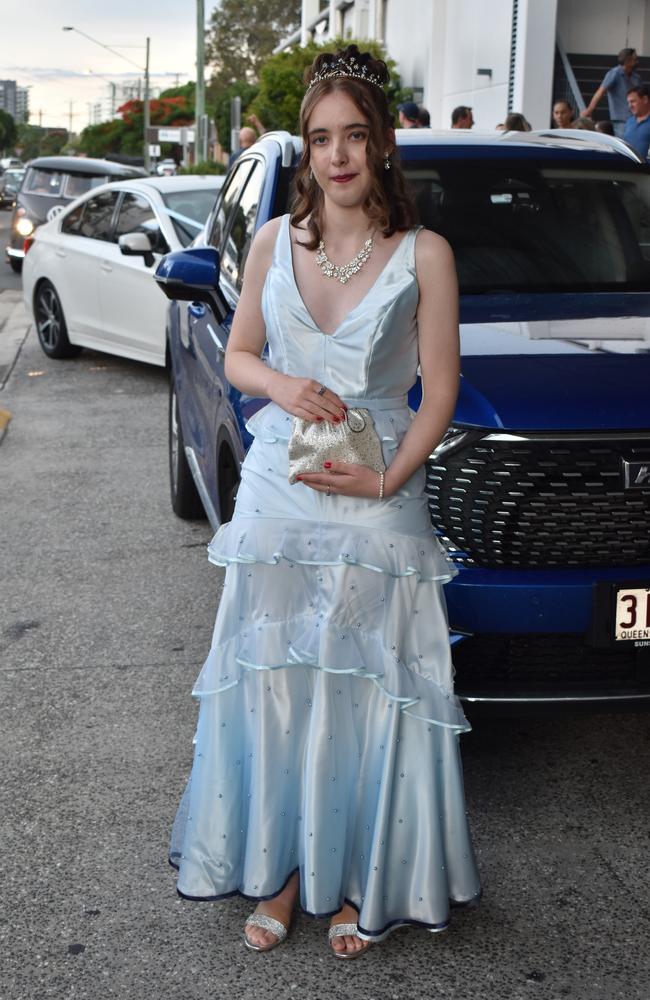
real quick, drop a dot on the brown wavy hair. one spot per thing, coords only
(388, 204)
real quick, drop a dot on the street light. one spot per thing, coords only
(145, 69)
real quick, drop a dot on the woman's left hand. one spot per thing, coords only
(344, 478)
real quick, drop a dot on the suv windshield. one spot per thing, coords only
(517, 227)
(188, 211)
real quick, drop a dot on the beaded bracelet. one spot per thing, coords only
(381, 486)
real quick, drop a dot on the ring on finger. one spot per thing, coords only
(329, 491)
(321, 391)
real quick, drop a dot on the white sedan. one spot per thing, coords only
(88, 274)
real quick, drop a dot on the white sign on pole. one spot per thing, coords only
(169, 135)
(190, 135)
(154, 150)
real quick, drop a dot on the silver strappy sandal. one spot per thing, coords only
(341, 930)
(267, 924)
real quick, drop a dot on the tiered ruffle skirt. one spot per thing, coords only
(327, 739)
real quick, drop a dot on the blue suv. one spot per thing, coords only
(540, 490)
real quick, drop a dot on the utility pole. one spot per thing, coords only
(201, 124)
(147, 115)
(70, 116)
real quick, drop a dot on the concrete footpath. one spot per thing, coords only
(14, 324)
(106, 611)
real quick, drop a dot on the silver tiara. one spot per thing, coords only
(346, 67)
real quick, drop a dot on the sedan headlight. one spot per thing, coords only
(25, 227)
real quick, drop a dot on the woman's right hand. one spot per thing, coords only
(302, 397)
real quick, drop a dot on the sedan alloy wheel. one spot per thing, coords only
(50, 323)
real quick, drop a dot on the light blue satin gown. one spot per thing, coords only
(327, 739)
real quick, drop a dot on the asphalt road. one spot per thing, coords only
(106, 612)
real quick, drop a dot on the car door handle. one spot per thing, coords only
(221, 350)
(106, 267)
(61, 253)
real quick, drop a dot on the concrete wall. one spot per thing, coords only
(477, 36)
(534, 60)
(600, 26)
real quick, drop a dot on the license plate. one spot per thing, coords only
(632, 614)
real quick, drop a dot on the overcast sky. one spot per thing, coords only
(35, 52)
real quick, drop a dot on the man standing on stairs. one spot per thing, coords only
(616, 84)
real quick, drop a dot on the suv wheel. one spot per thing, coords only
(50, 323)
(186, 502)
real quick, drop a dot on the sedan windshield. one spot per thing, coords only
(516, 227)
(188, 211)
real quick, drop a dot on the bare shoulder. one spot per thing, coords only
(266, 236)
(261, 252)
(431, 249)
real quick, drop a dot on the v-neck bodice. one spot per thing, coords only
(373, 352)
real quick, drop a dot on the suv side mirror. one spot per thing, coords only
(193, 276)
(137, 245)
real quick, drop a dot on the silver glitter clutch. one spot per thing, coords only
(353, 440)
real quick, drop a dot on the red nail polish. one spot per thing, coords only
(337, 420)
(298, 477)
(327, 465)
(319, 419)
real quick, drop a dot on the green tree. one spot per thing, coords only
(187, 91)
(242, 35)
(53, 142)
(218, 101)
(7, 131)
(281, 86)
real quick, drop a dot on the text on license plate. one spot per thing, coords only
(633, 614)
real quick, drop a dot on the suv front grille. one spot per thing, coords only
(505, 500)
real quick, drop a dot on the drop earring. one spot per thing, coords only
(386, 162)
(311, 175)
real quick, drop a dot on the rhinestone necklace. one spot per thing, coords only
(343, 271)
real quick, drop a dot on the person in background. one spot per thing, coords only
(408, 114)
(562, 114)
(605, 127)
(515, 122)
(247, 136)
(462, 117)
(617, 83)
(584, 123)
(637, 127)
(424, 118)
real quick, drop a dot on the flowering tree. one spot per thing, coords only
(126, 134)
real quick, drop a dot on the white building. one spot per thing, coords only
(494, 56)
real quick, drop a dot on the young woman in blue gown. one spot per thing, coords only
(326, 768)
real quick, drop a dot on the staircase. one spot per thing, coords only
(589, 71)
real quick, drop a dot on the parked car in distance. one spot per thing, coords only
(87, 276)
(540, 489)
(10, 182)
(52, 182)
(166, 168)
(10, 163)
